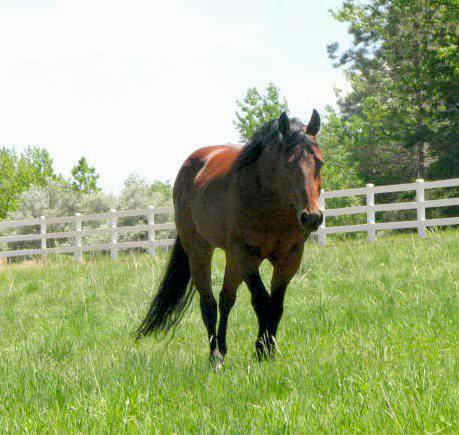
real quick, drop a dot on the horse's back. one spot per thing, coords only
(202, 193)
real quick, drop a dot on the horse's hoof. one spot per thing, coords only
(218, 366)
(265, 349)
(216, 360)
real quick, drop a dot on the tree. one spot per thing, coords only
(84, 177)
(36, 167)
(33, 167)
(9, 182)
(164, 189)
(336, 138)
(403, 67)
(256, 109)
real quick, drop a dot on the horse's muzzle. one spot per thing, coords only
(311, 221)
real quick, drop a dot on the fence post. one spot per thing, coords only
(371, 218)
(421, 210)
(114, 235)
(151, 229)
(321, 236)
(43, 235)
(78, 239)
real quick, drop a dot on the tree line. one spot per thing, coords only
(31, 187)
(34, 168)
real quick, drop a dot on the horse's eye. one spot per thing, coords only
(319, 165)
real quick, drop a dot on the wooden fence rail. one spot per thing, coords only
(150, 228)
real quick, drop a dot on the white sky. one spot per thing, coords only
(136, 85)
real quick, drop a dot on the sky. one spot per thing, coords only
(136, 86)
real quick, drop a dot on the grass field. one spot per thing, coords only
(369, 342)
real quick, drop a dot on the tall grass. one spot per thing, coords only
(369, 342)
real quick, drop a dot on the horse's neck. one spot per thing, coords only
(260, 192)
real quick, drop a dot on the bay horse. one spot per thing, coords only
(256, 202)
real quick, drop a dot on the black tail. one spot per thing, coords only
(173, 297)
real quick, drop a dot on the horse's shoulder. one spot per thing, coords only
(216, 160)
(208, 152)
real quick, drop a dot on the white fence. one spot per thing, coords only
(370, 208)
(113, 230)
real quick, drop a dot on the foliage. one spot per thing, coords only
(84, 177)
(138, 193)
(54, 200)
(403, 67)
(36, 166)
(58, 198)
(340, 170)
(32, 167)
(257, 108)
(369, 348)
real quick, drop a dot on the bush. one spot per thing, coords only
(60, 199)
(137, 193)
(54, 200)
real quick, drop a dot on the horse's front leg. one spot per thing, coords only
(261, 302)
(248, 263)
(284, 269)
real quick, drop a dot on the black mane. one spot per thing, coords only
(267, 135)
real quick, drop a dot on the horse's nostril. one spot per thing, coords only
(304, 218)
(311, 220)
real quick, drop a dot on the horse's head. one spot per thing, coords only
(299, 168)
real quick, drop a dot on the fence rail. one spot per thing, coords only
(370, 208)
(150, 228)
(78, 248)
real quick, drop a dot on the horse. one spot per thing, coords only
(255, 202)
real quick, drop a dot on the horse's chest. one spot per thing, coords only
(273, 234)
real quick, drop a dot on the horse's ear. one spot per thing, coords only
(284, 124)
(314, 124)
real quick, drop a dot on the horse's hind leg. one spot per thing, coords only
(200, 258)
(231, 282)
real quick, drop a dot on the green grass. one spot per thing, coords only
(369, 342)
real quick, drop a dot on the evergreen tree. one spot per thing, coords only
(403, 67)
(84, 177)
